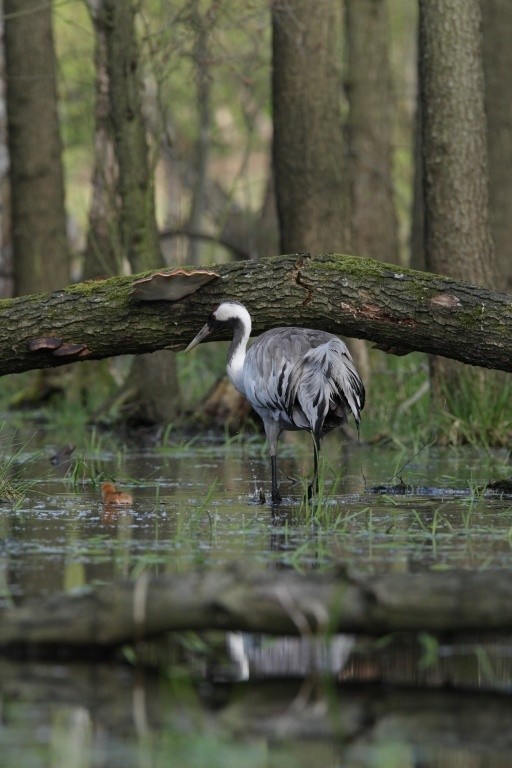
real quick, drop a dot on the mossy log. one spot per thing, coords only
(400, 309)
(286, 603)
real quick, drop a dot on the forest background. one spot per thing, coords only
(143, 134)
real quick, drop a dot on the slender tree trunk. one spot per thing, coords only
(497, 48)
(6, 267)
(138, 223)
(103, 248)
(154, 375)
(308, 149)
(201, 55)
(417, 244)
(266, 234)
(454, 140)
(41, 256)
(370, 130)
(457, 233)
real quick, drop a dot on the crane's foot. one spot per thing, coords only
(276, 497)
(312, 488)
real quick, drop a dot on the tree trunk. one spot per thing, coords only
(308, 149)
(6, 266)
(402, 310)
(454, 141)
(309, 153)
(497, 50)
(457, 229)
(154, 376)
(103, 248)
(203, 82)
(417, 242)
(370, 131)
(41, 257)
(232, 599)
(138, 225)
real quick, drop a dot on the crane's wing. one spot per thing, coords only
(267, 369)
(301, 376)
(324, 383)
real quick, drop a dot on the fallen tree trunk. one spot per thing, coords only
(286, 603)
(400, 309)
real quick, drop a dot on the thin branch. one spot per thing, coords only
(237, 252)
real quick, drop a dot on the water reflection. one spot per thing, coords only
(196, 505)
(84, 715)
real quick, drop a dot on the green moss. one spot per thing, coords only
(115, 285)
(368, 269)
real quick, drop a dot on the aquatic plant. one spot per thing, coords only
(13, 454)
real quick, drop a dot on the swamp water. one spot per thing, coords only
(249, 701)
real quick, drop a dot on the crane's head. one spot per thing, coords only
(228, 314)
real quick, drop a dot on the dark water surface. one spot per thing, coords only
(250, 701)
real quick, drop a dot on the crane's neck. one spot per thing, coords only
(237, 351)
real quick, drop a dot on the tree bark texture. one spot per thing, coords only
(41, 257)
(497, 58)
(154, 376)
(233, 599)
(417, 237)
(202, 58)
(308, 151)
(370, 130)
(458, 240)
(6, 264)
(400, 309)
(103, 249)
(455, 170)
(138, 225)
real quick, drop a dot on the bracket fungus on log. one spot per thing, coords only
(172, 285)
(45, 343)
(70, 349)
(58, 347)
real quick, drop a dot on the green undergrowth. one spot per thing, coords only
(397, 410)
(14, 452)
(397, 400)
(477, 412)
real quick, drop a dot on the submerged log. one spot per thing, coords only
(400, 309)
(285, 603)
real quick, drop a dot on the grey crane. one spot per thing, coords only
(294, 378)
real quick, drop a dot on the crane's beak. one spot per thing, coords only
(203, 333)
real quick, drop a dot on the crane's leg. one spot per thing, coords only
(276, 496)
(272, 432)
(313, 486)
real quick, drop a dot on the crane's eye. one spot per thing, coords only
(214, 324)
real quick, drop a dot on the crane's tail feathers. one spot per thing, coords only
(324, 381)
